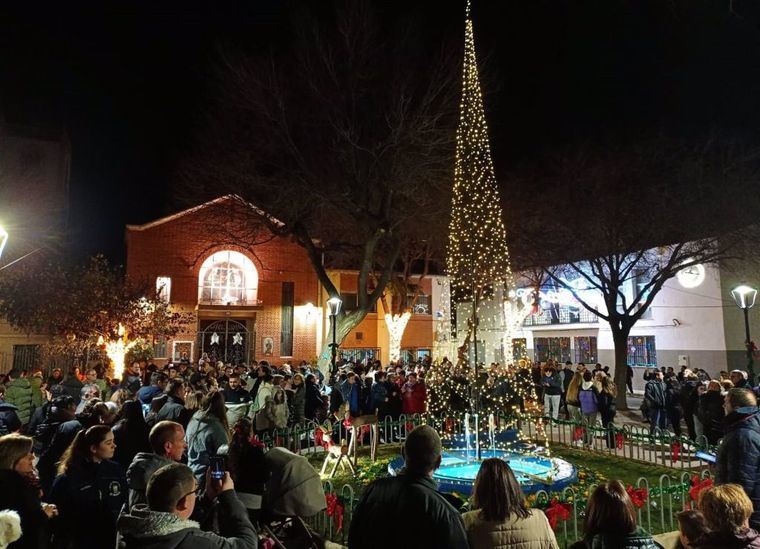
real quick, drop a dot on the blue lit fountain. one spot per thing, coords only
(462, 457)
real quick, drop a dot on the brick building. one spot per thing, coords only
(252, 298)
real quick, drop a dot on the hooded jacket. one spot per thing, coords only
(532, 532)
(145, 529)
(9, 420)
(174, 410)
(587, 396)
(19, 393)
(739, 456)
(746, 539)
(139, 473)
(638, 539)
(205, 434)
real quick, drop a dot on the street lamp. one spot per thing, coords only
(744, 296)
(3, 240)
(334, 304)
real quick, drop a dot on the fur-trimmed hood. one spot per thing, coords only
(141, 522)
(10, 528)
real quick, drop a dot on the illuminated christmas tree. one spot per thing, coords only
(477, 255)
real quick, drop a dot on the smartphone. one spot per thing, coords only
(705, 456)
(217, 467)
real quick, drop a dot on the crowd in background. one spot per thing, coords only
(87, 458)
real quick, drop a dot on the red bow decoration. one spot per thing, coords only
(697, 485)
(578, 433)
(364, 430)
(619, 440)
(319, 438)
(348, 422)
(409, 425)
(335, 510)
(638, 495)
(675, 450)
(557, 511)
(254, 441)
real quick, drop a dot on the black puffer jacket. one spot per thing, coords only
(638, 539)
(710, 413)
(139, 473)
(739, 456)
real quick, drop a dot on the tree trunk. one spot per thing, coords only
(620, 338)
(346, 323)
(396, 325)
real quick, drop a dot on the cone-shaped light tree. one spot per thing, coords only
(477, 254)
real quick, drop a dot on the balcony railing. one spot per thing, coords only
(561, 315)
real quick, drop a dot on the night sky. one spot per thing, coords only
(131, 86)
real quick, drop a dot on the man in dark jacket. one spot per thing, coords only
(409, 499)
(654, 395)
(164, 522)
(9, 421)
(167, 440)
(552, 387)
(158, 381)
(739, 454)
(72, 386)
(174, 409)
(235, 393)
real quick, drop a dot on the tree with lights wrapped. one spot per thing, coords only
(478, 262)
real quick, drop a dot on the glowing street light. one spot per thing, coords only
(744, 296)
(334, 304)
(3, 240)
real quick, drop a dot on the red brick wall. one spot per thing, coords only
(178, 247)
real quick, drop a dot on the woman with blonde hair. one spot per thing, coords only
(727, 509)
(501, 518)
(20, 492)
(607, 408)
(573, 403)
(206, 433)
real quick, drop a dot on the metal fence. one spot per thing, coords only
(660, 448)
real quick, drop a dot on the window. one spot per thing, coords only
(642, 351)
(360, 355)
(228, 278)
(159, 348)
(423, 305)
(286, 319)
(585, 349)
(26, 357)
(640, 280)
(519, 348)
(351, 302)
(557, 348)
(164, 288)
(411, 355)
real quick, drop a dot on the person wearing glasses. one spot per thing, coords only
(165, 521)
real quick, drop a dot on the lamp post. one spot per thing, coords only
(744, 296)
(334, 304)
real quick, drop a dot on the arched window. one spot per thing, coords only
(228, 278)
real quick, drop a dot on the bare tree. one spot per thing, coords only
(642, 214)
(346, 146)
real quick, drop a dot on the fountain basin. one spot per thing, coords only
(458, 471)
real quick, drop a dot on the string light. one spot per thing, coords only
(396, 325)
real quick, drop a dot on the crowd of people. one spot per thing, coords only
(91, 461)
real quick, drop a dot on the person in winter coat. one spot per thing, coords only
(690, 401)
(298, 402)
(654, 395)
(673, 404)
(552, 387)
(130, 433)
(409, 498)
(608, 408)
(264, 390)
(379, 396)
(36, 383)
(245, 462)
(55, 378)
(588, 396)
(351, 391)
(206, 432)
(274, 415)
(89, 491)
(165, 521)
(611, 521)
(20, 492)
(710, 412)
(738, 459)
(174, 409)
(18, 392)
(414, 395)
(727, 510)
(571, 397)
(501, 518)
(395, 400)
(314, 401)
(9, 420)
(167, 442)
(72, 385)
